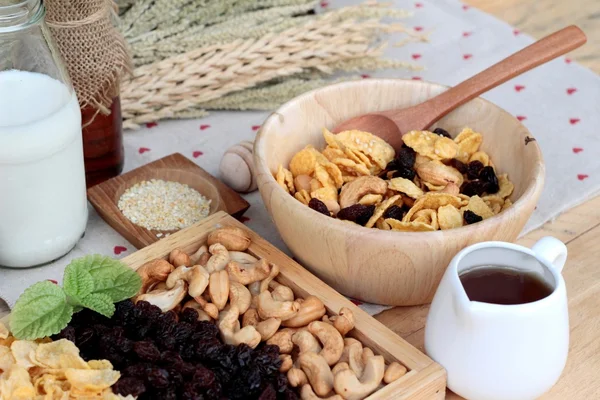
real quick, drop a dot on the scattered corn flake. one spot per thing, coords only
(408, 226)
(315, 185)
(377, 149)
(494, 202)
(91, 379)
(21, 350)
(100, 364)
(480, 156)
(332, 140)
(506, 186)
(16, 384)
(428, 217)
(285, 179)
(468, 142)
(4, 332)
(381, 224)
(6, 359)
(304, 161)
(325, 193)
(351, 166)
(430, 145)
(478, 206)
(349, 178)
(335, 173)
(434, 188)
(8, 341)
(507, 203)
(449, 217)
(406, 187)
(302, 196)
(363, 159)
(370, 199)
(419, 159)
(433, 201)
(73, 361)
(48, 354)
(380, 210)
(323, 176)
(332, 153)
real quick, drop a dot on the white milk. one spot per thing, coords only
(43, 206)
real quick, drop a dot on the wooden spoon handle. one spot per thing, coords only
(542, 51)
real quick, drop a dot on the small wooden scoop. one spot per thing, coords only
(391, 124)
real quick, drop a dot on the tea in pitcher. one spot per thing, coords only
(501, 285)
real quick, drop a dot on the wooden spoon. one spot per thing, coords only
(391, 124)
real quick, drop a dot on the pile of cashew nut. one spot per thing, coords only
(237, 291)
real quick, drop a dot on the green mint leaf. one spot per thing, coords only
(77, 281)
(42, 310)
(111, 277)
(99, 302)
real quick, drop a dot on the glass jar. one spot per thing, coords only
(102, 143)
(43, 206)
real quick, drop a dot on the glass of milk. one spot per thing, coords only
(43, 205)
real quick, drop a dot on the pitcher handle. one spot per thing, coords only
(551, 250)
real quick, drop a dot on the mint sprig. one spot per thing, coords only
(95, 282)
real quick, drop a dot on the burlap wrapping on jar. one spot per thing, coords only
(94, 50)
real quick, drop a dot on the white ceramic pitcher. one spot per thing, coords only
(501, 352)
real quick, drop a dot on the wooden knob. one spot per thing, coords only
(237, 168)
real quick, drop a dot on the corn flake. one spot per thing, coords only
(428, 217)
(405, 186)
(4, 332)
(468, 143)
(323, 176)
(325, 193)
(408, 226)
(506, 186)
(332, 153)
(449, 217)
(480, 156)
(48, 354)
(302, 196)
(507, 203)
(478, 206)
(494, 202)
(433, 201)
(21, 351)
(17, 384)
(380, 210)
(370, 199)
(304, 161)
(6, 359)
(381, 224)
(285, 179)
(91, 379)
(370, 145)
(351, 166)
(430, 145)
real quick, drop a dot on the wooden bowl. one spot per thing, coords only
(385, 267)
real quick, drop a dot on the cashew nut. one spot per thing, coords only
(268, 328)
(250, 317)
(393, 372)
(202, 315)
(234, 239)
(311, 309)
(180, 274)
(153, 272)
(306, 341)
(283, 339)
(240, 296)
(165, 299)
(209, 308)
(355, 190)
(307, 393)
(317, 371)
(196, 276)
(194, 258)
(339, 367)
(282, 293)
(218, 289)
(296, 377)
(347, 384)
(264, 284)
(178, 258)
(242, 257)
(348, 343)
(254, 288)
(229, 325)
(355, 359)
(286, 363)
(219, 258)
(158, 286)
(245, 274)
(366, 354)
(333, 343)
(344, 321)
(269, 308)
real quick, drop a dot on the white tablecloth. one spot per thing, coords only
(559, 102)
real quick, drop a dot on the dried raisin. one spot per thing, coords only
(473, 169)
(471, 218)
(442, 132)
(459, 165)
(473, 188)
(488, 176)
(319, 206)
(406, 173)
(394, 212)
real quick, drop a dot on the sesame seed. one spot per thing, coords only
(163, 205)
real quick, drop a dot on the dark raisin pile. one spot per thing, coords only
(471, 218)
(481, 179)
(165, 356)
(395, 212)
(319, 206)
(357, 213)
(402, 166)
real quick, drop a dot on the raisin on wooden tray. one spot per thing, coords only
(163, 356)
(471, 218)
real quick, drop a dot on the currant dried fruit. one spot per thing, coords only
(488, 176)
(442, 132)
(471, 218)
(394, 212)
(319, 206)
(459, 165)
(473, 169)
(472, 188)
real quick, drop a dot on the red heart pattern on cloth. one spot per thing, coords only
(467, 34)
(204, 127)
(467, 56)
(143, 150)
(568, 60)
(577, 150)
(518, 88)
(516, 32)
(324, 4)
(416, 78)
(418, 28)
(582, 176)
(356, 302)
(151, 124)
(465, 7)
(419, 5)
(415, 56)
(573, 121)
(521, 117)
(255, 127)
(119, 249)
(571, 90)
(365, 76)
(197, 153)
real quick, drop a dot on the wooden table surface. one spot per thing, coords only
(578, 228)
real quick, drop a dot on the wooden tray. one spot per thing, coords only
(105, 196)
(425, 379)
